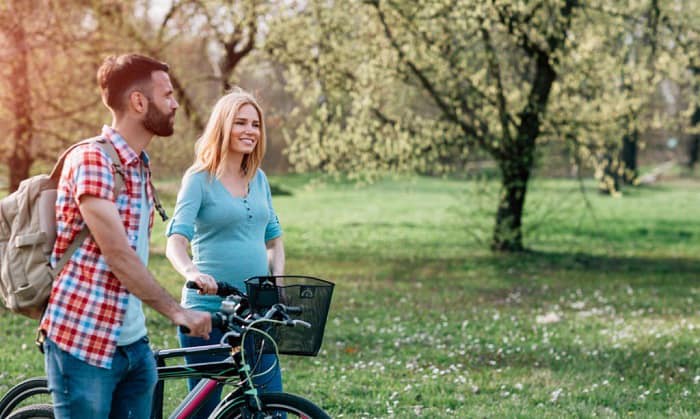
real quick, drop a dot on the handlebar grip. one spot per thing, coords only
(294, 310)
(217, 322)
(223, 289)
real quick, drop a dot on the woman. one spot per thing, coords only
(224, 211)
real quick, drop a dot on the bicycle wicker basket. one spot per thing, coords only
(313, 295)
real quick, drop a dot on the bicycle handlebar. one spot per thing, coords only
(293, 310)
(220, 320)
(222, 289)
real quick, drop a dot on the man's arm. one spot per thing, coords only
(102, 218)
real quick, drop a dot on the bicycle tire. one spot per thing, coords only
(275, 402)
(21, 392)
(33, 411)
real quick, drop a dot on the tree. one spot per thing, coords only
(38, 62)
(694, 131)
(401, 85)
(20, 157)
(648, 44)
(49, 48)
(694, 140)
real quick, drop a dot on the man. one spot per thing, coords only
(98, 360)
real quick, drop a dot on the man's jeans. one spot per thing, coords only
(81, 390)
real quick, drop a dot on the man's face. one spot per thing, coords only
(160, 116)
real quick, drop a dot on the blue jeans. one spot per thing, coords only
(270, 382)
(81, 390)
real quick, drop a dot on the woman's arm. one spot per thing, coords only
(176, 252)
(275, 255)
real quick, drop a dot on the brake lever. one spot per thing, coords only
(297, 322)
(231, 333)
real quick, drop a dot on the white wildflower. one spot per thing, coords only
(548, 318)
(555, 395)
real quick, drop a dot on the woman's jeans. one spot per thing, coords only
(81, 390)
(270, 382)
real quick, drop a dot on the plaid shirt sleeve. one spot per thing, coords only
(92, 174)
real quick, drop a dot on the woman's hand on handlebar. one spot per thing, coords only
(206, 284)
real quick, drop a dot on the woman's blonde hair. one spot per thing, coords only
(212, 148)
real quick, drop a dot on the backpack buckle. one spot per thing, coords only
(40, 339)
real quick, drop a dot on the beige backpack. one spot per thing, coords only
(27, 235)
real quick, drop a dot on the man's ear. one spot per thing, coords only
(138, 101)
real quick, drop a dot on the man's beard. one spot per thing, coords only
(158, 122)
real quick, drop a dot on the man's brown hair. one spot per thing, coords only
(119, 75)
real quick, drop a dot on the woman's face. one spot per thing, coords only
(246, 130)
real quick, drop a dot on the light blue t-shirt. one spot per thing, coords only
(227, 233)
(134, 324)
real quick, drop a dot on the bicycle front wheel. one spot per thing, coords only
(32, 391)
(34, 411)
(275, 405)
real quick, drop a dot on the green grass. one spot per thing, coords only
(598, 319)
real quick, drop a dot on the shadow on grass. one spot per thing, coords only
(493, 276)
(660, 233)
(554, 264)
(589, 263)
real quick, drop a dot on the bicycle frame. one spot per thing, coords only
(239, 316)
(213, 374)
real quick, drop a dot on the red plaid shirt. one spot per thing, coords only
(88, 302)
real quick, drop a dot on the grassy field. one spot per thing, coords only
(599, 319)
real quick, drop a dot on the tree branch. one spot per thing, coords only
(174, 8)
(427, 85)
(513, 26)
(495, 70)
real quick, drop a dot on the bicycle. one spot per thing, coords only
(271, 301)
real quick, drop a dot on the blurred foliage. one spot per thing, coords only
(66, 41)
(360, 88)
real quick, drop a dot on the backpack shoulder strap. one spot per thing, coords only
(159, 206)
(58, 167)
(108, 147)
(118, 185)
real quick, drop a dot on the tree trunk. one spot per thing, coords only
(516, 160)
(20, 159)
(628, 157)
(693, 151)
(507, 234)
(694, 145)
